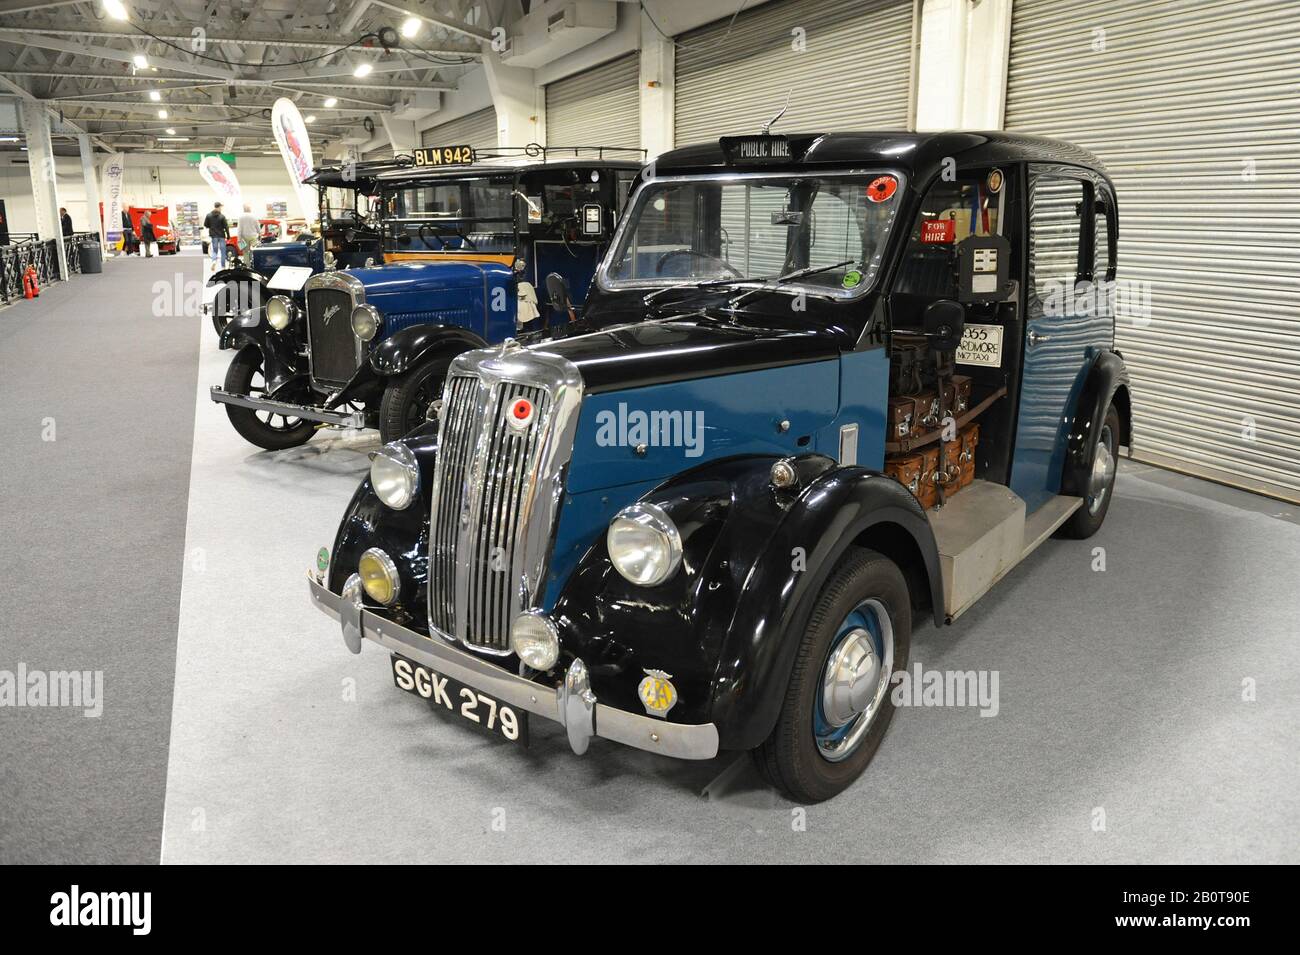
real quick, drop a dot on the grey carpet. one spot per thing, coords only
(1120, 692)
(93, 529)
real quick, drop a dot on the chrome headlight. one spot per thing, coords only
(280, 311)
(535, 640)
(379, 576)
(395, 475)
(644, 544)
(366, 321)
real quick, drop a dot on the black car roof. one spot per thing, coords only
(920, 155)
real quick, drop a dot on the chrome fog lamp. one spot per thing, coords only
(280, 311)
(395, 475)
(644, 544)
(535, 640)
(379, 576)
(365, 322)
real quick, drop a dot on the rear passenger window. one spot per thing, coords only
(1055, 235)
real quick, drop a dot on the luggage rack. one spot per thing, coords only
(929, 437)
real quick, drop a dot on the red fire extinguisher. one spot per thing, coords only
(31, 288)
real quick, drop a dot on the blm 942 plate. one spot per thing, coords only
(448, 695)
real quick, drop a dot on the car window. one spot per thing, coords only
(951, 211)
(1055, 234)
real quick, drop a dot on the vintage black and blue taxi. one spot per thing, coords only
(834, 383)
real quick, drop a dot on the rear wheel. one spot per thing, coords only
(837, 705)
(266, 429)
(1087, 520)
(407, 399)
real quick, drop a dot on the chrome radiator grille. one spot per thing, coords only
(332, 346)
(496, 492)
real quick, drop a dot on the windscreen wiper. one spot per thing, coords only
(713, 283)
(770, 284)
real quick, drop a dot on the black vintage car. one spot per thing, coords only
(846, 382)
(466, 250)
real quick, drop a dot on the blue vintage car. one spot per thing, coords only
(472, 253)
(846, 382)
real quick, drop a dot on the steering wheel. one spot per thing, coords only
(442, 228)
(663, 260)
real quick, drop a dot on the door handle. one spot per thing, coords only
(1035, 338)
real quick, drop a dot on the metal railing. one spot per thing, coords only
(41, 255)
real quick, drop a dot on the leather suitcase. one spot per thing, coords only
(969, 439)
(959, 397)
(928, 494)
(904, 417)
(906, 470)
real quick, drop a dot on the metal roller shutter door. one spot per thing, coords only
(598, 107)
(473, 129)
(1194, 106)
(854, 74)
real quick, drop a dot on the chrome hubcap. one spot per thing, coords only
(1103, 472)
(855, 680)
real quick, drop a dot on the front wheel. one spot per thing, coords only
(266, 429)
(406, 399)
(837, 705)
(1086, 521)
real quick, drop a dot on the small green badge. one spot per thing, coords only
(322, 559)
(852, 278)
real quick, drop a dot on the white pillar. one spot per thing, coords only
(962, 64)
(658, 90)
(520, 103)
(92, 188)
(401, 134)
(45, 188)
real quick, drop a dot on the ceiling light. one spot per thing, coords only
(331, 103)
(363, 69)
(173, 139)
(309, 119)
(170, 131)
(115, 9)
(162, 114)
(410, 26)
(141, 61)
(155, 95)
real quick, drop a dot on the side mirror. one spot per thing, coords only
(943, 324)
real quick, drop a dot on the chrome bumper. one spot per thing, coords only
(573, 705)
(340, 418)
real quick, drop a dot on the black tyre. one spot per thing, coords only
(229, 300)
(407, 398)
(1087, 520)
(274, 432)
(838, 704)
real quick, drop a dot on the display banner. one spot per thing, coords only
(112, 186)
(295, 146)
(222, 179)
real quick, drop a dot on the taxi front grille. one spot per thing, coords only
(329, 335)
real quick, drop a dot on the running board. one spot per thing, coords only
(982, 534)
(339, 419)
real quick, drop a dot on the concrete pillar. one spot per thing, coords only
(962, 64)
(45, 188)
(401, 134)
(91, 181)
(658, 90)
(520, 103)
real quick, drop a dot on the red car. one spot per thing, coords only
(162, 230)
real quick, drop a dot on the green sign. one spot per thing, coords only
(195, 158)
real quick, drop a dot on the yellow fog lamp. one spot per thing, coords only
(379, 576)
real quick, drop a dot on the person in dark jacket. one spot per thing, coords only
(65, 220)
(128, 234)
(218, 230)
(147, 236)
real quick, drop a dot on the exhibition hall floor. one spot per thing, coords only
(152, 542)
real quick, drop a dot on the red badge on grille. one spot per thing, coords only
(521, 414)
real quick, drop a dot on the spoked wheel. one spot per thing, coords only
(837, 705)
(407, 399)
(1087, 520)
(230, 299)
(266, 429)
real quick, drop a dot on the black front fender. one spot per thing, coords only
(408, 347)
(1107, 382)
(279, 350)
(727, 625)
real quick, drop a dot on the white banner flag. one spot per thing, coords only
(113, 206)
(217, 174)
(295, 146)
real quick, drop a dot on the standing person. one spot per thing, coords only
(218, 230)
(128, 233)
(65, 220)
(249, 230)
(147, 237)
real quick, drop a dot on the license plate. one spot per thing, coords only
(448, 695)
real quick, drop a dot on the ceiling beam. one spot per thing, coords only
(126, 56)
(288, 41)
(438, 19)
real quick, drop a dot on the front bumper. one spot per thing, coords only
(306, 412)
(573, 705)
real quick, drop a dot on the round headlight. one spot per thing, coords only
(279, 312)
(395, 475)
(535, 640)
(379, 576)
(365, 322)
(644, 544)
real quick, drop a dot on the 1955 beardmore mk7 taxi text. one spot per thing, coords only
(837, 383)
